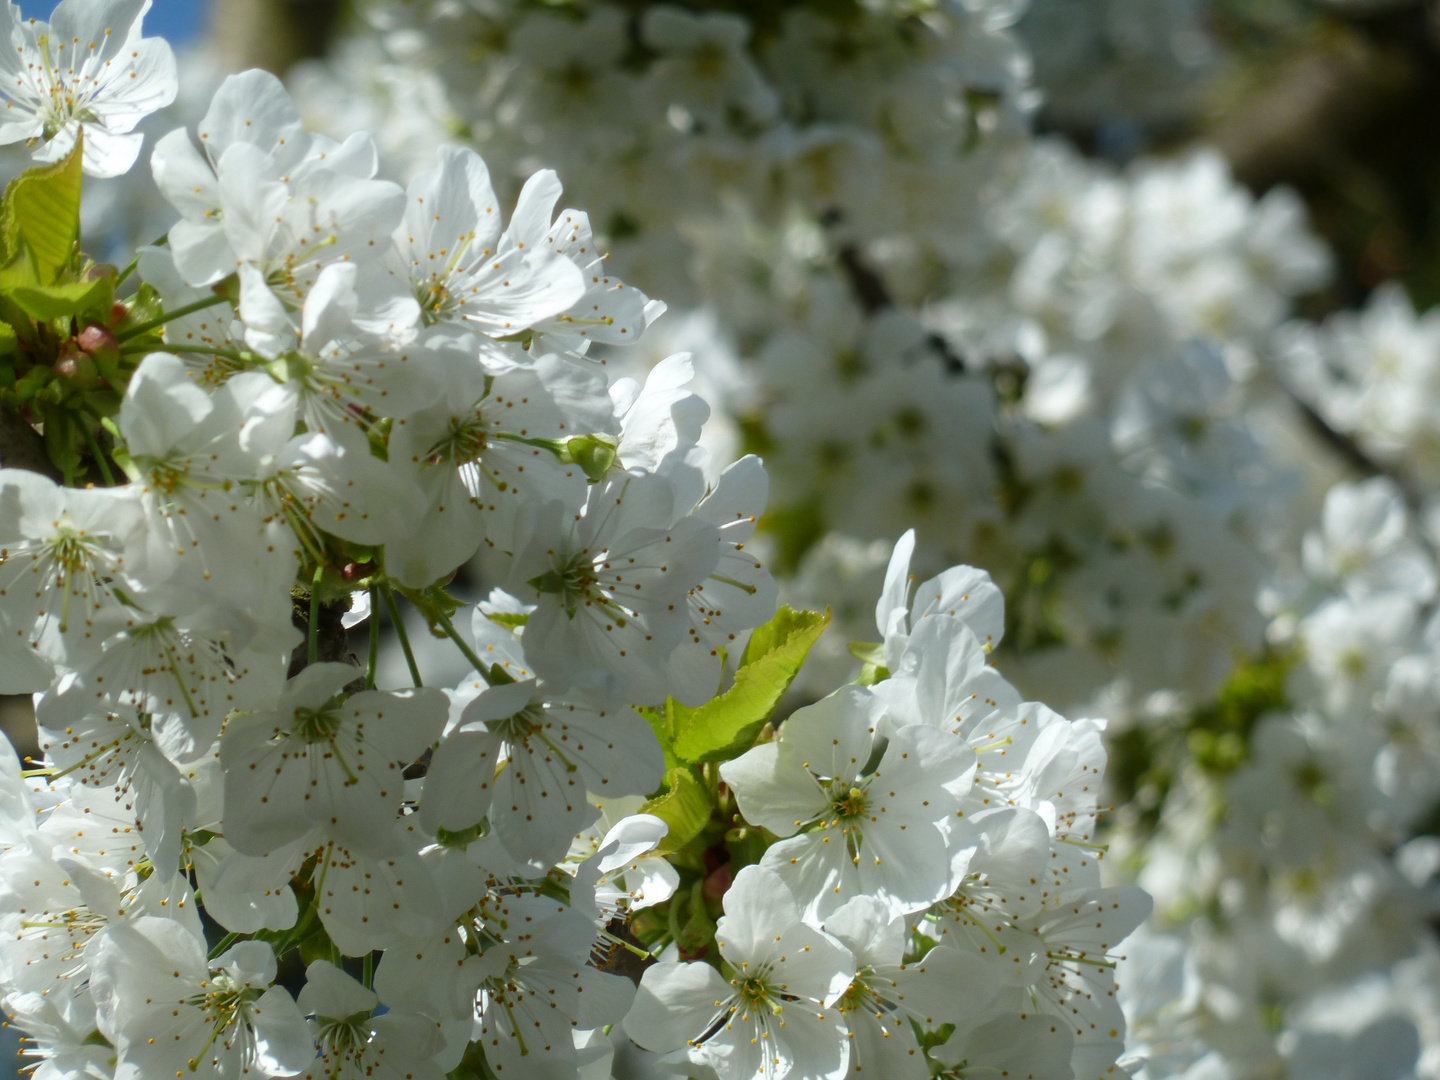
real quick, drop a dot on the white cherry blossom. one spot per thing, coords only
(776, 1016)
(86, 74)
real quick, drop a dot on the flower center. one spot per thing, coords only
(572, 582)
(464, 443)
(523, 724)
(753, 991)
(848, 803)
(317, 725)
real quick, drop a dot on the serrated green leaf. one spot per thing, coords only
(42, 214)
(788, 629)
(726, 726)
(685, 806)
(77, 299)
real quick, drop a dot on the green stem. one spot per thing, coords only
(203, 350)
(312, 645)
(99, 455)
(166, 316)
(130, 268)
(367, 971)
(223, 944)
(374, 643)
(134, 263)
(399, 625)
(460, 643)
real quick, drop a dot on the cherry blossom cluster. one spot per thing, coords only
(1085, 379)
(1044, 364)
(331, 397)
(933, 866)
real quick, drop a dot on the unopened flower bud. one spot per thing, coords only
(76, 366)
(97, 340)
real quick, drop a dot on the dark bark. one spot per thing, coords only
(21, 446)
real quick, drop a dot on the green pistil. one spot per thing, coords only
(465, 442)
(855, 998)
(317, 725)
(522, 724)
(850, 804)
(753, 991)
(223, 1006)
(343, 1037)
(572, 583)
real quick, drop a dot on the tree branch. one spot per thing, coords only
(21, 446)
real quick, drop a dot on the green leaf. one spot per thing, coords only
(726, 726)
(872, 654)
(788, 629)
(41, 213)
(661, 721)
(685, 807)
(9, 343)
(72, 299)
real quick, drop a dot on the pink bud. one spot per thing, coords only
(96, 339)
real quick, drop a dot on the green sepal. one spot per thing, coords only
(142, 307)
(433, 603)
(684, 805)
(868, 652)
(462, 838)
(726, 726)
(509, 619)
(873, 669)
(593, 453)
(473, 1065)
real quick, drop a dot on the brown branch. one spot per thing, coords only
(332, 639)
(21, 446)
(873, 297)
(1358, 459)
